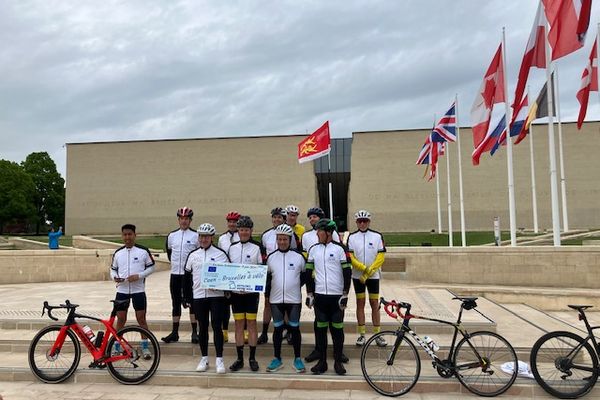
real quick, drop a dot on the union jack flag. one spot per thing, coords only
(429, 155)
(445, 130)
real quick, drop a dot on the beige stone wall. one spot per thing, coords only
(144, 183)
(386, 181)
(563, 267)
(32, 266)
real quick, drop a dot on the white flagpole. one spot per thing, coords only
(552, 146)
(463, 235)
(536, 228)
(329, 185)
(450, 233)
(598, 54)
(439, 209)
(561, 160)
(509, 156)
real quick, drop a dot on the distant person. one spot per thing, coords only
(131, 265)
(225, 241)
(292, 220)
(53, 237)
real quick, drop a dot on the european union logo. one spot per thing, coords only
(330, 255)
(212, 269)
(370, 244)
(258, 288)
(135, 258)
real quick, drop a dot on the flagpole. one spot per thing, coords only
(450, 233)
(439, 209)
(552, 146)
(561, 160)
(533, 190)
(463, 235)
(509, 156)
(329, 185)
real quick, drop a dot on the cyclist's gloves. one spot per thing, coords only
(310, 301)
(343, 302)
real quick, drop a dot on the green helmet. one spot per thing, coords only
(325, 224)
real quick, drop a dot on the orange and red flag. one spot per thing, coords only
(318, 144)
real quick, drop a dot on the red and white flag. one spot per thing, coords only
(535, 54)
(589, 83)
(318, 144)
(490, 93)
(569, 21)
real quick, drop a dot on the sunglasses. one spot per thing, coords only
(362, 220)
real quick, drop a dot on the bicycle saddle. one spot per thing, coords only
(465, 299)
(579, 308)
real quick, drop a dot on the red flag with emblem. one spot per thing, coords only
(318, 144)
(589, 83)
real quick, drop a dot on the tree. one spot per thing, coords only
(49, 197)
(17, 191)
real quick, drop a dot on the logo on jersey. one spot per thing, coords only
(212, 268)
(135, 259)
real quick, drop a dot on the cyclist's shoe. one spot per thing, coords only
(275, 365)
(117, 350)
(314, 356)
(202, 365)
(237, 365)
(288, 337)
(344, 358)
(360, 342)
(220, 365)
(263, 338)
(380, 341)
(171, 337)
(319, 368)
(146, 354)
(253, 365)
(246, 336)
(299, 365)
(97, 365)
(339, 368)
(195, 338)
(225, 336)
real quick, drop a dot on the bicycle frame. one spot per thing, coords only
(590, 329)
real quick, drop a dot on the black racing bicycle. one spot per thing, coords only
(565, 364)
(475, 360)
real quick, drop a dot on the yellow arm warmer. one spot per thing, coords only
(357, 264)
(373, 267)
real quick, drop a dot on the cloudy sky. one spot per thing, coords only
(84, 70)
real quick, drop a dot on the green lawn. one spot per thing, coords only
(152, 242)
(65, 240)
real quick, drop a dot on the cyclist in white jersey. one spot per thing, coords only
(179, 244)
(225, 240)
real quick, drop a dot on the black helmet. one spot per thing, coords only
(278, 211)
(315, 211)
(325, 224)
(245, 222)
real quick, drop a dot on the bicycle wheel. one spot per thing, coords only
(564, 364)
(136, 369)
(53, 368)
(485, 377)
(394, 369)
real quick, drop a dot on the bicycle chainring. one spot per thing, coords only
(445, 369)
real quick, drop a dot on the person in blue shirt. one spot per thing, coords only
(53, 238)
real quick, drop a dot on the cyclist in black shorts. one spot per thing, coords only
(328, 290)
(245, 305)
(179, 244)
(286, 269)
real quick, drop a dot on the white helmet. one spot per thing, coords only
(206, 229)
(292, 209)
(284, 229)
(362, 214)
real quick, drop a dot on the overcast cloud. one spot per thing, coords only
(78, 71)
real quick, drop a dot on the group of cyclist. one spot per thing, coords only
(293, 257)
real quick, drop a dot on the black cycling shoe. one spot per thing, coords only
(339, 368)
(319, 368)
(344, 359)
(195, 338)
(237, 365)
(253, 365)
(171, 337)
(314, 356)
(262, 339)
(96, 365)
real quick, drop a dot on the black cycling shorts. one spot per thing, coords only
(327, 309)
(244, 306)
(372, 285)
(138, 299)
(279, 311)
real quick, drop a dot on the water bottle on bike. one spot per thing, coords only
(431, 344)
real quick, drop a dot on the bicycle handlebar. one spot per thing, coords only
(393, 304)
(68, 305)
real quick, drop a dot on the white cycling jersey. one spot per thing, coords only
(365, 246)
(180, 243)
(328, 261)
(249, 252)
(269, 241)
(194, 266)
(127, 261)
(286, 269)
(310, 238)
(227, 239)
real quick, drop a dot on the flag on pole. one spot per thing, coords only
(318, 144)
(535, 54)
(539, 109)
(445, 130)
(492, 140)
(490, 92)
(589, 83)
(429, 156)
(569, 21)
(517, 125)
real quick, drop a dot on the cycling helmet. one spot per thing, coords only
(232, 215)
(278, 211)
(284, 229)
(292, 209)
(185, 212)
(206, 229)
(245, 222)
(362, 214)
(325, 224)
(315, 211)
